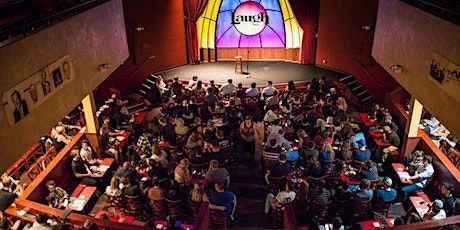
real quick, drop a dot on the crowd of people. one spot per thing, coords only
(312, 152)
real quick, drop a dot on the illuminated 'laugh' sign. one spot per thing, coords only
(250, 18)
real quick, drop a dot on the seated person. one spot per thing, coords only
(6, 223)
(420, 177)
(321, 193)
(9, 184)
(356, 136)
(391, 138)
(447, 197)
(414, 160)
(364, 192)
(361, 154)
(369, 171)
(279, 169)
(57, 197)
(436, 212)
(115, 192)
(181, 173)
(86, 154)
(156, 170)
(129, 188)
(216, 174)
(155, 192)
(194, 141)
(196, 194)
(272, 146)
(283, 197)
(159, 155)
(174, 193)
(80, 169)
(220, 197)
(127, 171)
(387, 193)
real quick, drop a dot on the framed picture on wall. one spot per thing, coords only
(443, 70)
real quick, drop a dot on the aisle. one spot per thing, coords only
(250, 190)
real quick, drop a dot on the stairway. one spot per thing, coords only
(358, 90)
(142, 91)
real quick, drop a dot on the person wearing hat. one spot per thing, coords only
(387, 193)
(447, 197)
(362, 154)
(391, 138)
(357, 136)
(436, 211)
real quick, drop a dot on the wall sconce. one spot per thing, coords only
(103, 67)
(366, 27)
(397, 68)
(139, 29)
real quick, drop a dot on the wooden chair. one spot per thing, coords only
(277, 214)
(361, 209)
(380, 208)
(158, 209)
(218, 219)
(175, 209)
(117, 202)
(320, 210)
(134, 205)
(194, 209)
(33, 171)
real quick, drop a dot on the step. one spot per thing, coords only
(357, 87)
(367, 98)
(361, 93)
(150, 81)
(143, 92)
(345, 78)
(146, 86)
(134, 106)
(352, 82)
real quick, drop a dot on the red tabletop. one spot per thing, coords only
(125, 139)
(378, 138)
(420, 204)
(103, 167)
(390, 222)
(118, 215)
(365, 118)
(371, 224)
(402, 173)
(139, 118)
(80, 196)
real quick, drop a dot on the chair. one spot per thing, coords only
(117, 202)
(277, 215)
(194, 209)
(374, 183)
(158, 208)
(315, 181)
(320, 210)
(134, 205)
(218, 219)
(33, 171)
(175, 208)
(361, 209)
(341, 208)
(380, 208)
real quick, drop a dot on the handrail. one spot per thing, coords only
(131, 74)
(369, 73)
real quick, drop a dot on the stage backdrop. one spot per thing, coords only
(27, 95)
(266, 28)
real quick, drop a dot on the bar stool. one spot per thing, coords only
(238, 64)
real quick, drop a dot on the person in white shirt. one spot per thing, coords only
(283, 197)
(86, 153)
(421, 176)
(269, 90)
(192, 83)
(436, 212)
(228, 88)
(252, 92)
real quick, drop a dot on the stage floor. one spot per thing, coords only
(259, 72)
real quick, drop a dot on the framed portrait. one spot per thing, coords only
(443, 70)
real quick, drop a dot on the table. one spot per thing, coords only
(420, 204)
(402, 173)
(378, 138)
(103, 167)
(367, 122)
(80, 196)
(139, 118)
(371, 224)
(118, 215)
(125, 136)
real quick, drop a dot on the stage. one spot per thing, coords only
(259, 72)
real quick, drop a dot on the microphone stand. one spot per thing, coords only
(247, 65)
